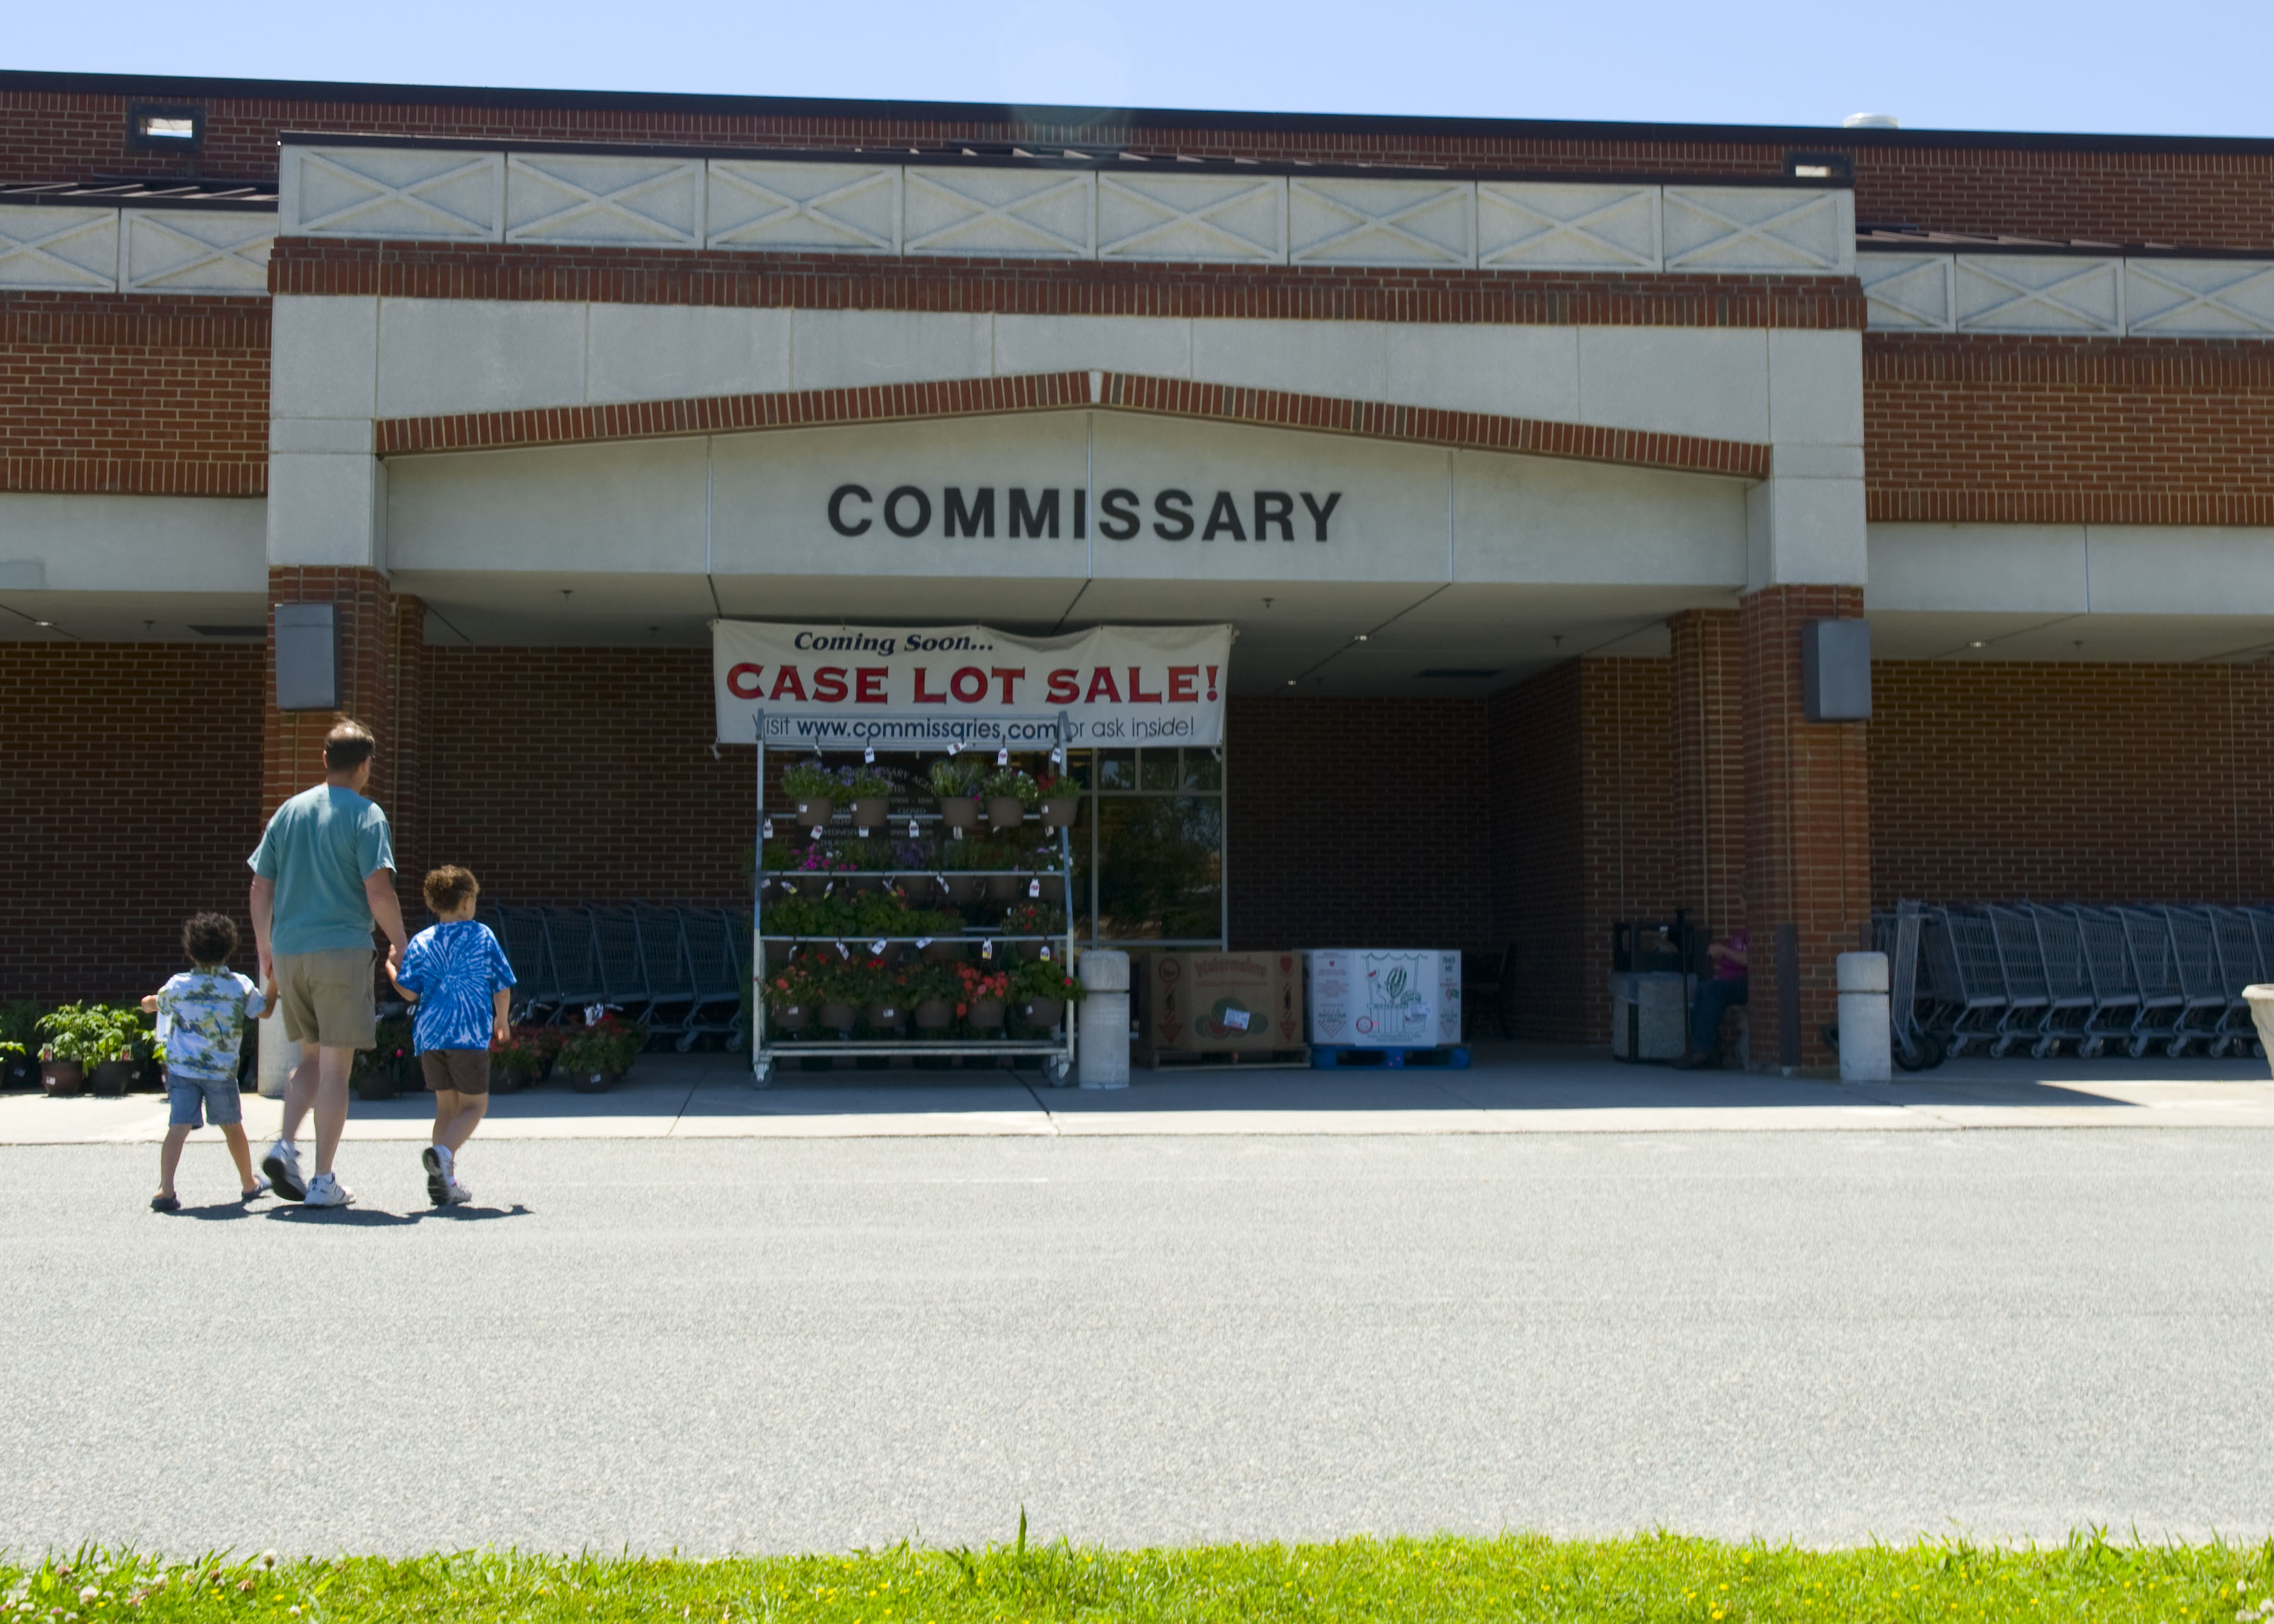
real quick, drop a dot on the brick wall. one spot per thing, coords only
(582, 774)
(1995, 782)
(1358, 821)
(1585, 833)
(2069, 431)
(2207, 197)
(153, 396)
(132, 773)
(541, 271)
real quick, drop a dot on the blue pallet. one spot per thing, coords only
(1339, 1057)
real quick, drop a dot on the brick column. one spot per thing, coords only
(1709, 766)
(1808, 830)
(382, 637)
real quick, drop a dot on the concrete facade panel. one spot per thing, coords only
(325, 358)
(1675, 380)
(647, 352)
(146, 544)
(439, 356)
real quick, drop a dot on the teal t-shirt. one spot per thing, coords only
(318, 850)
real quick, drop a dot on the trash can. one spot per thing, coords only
(1650, 1014)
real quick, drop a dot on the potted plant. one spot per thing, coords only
(1040, 991)
(982, 994)
(842, 989)
(1061, 800)
(89, 1045)
(957, 860)
(870, 789)
(813, 788)
(1011, 793)
(19, 1039)
(517, 1060)
(1033, 919)
(885, 1010)
(380, 1071)
(794, 996)
(955, 781)
(597, 1055)
(946, 933)
(931, 992)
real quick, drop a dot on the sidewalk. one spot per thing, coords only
(1513, 1088)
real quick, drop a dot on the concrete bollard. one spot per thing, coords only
(1101, 1051)
(278, 1056)
(2260, 995)
(1865, 1042)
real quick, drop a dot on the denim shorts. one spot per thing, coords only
(216, 1094)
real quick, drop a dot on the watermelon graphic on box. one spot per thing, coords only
(1196, 1002)
(1383, 997)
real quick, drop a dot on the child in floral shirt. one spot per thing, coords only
(201, 1017)
(458, 974)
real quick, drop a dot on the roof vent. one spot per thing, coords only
(1871, 121)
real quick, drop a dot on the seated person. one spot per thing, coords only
(1715, 995)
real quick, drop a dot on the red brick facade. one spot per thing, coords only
(1996, 781)
(133, 784)
(1808, 835)
(1359, 821)
(1168, 397)
(2217, 194)
(2043, 430)
(105, 392)
(537, 271)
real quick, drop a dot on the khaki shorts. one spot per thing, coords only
(457, 1071)
(327, 998)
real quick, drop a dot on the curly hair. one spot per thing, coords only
(209, 938)
(449, 885)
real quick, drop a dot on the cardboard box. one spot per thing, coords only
(1383, 997)
(1217, 1003)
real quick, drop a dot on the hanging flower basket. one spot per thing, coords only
(935, 1015)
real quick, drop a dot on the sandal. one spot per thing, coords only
(165, 1204)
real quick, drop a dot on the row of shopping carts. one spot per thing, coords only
(2082, 980)
(684, 971)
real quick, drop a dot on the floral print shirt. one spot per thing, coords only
(201, 1020)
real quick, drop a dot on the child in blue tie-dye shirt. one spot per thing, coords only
(458, 974)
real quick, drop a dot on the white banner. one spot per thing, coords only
(850, 686)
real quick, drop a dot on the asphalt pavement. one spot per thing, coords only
(781, 1344)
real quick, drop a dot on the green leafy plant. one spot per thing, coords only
(868, 783)
(1033, 919)
(951, 777)
(19, 1024)
(390, 1059)
(1044, 978)
(1013, 781)
(92, 1033)
(524, 1054)
(609, 1045)
(806, 780)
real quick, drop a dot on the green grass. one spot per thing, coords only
(1512, 1578)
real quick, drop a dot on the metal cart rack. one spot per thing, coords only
(1057, 1053)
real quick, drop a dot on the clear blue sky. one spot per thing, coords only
(2176, 68)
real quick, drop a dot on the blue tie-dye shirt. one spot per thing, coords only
(455, 969)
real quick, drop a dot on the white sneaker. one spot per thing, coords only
(326, 1190)
(283, 1165)
(459, 1194)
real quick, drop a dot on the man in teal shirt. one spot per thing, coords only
(323, 875)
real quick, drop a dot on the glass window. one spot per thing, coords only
(1149, 846)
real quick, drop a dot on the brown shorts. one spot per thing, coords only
(326, 998)
(457, 1071)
